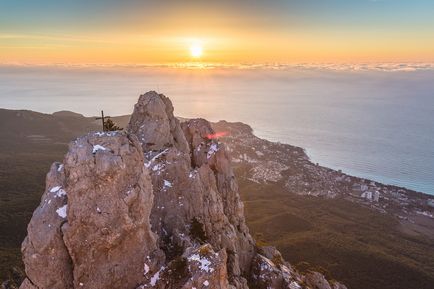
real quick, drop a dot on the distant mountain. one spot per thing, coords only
(33, 127)
(67, 113)
(29, 127)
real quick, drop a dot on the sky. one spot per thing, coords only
(244, 31)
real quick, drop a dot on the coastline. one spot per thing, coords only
(379, 179)
(280, 185)
(288, 166)
(314, 156)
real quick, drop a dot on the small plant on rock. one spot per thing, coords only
(205, 251)
(197, 231)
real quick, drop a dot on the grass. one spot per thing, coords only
(22, 182)
(347, 242)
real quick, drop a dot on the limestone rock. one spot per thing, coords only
(92, 228)
(109, 203)
(44, 249)
(196, 195)
(154, 123)
(317, 280)
(199, 267)
(154, 207)
(273, 272)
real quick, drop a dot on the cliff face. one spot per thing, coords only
(196, 197)
(154, 207)
(92, 227)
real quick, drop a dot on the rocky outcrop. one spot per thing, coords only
(316, 280)
(44, 249)
(196, 196)
(92, 228)
(156, 206)
(154, 123)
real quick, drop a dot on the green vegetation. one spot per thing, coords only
(22, 178)
(109, 125)
(347, 242)
(205, 251)
(30, 143)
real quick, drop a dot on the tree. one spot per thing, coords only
(109, 125)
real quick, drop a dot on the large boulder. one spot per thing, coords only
(92, 228)
(154, 123)
(44, 249)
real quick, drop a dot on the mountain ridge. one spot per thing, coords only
(101, 202)
(238, 140)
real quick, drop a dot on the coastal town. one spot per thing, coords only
(263, 161)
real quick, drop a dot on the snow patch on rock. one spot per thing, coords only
(212, 150)
(62, 211)
(98, 148)
(204, 263)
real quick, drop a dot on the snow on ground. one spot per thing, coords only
(204, 263)
(98, 148)
(58, 191)
(167, 184)
(294, 285)
(55, 189)
(62, 211)
(192, 174)
(157, 167)
(212, 150)
(156, 277)
(145, 269)
(105, 133)
(148, 164)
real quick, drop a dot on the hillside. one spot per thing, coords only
(311, 231)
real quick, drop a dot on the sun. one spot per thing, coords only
(196, 50)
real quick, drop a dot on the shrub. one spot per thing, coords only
(178, 269)
(205, 251)
(197, 231)
(277, 260)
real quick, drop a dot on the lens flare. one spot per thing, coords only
(217, 135)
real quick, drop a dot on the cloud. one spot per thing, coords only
(386, 67)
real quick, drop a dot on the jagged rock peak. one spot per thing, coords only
(154, 207)
(154, 123)
(196, 196)
(92, 228)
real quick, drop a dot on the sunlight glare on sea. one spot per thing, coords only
(370, 122)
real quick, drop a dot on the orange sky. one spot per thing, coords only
(377, 31)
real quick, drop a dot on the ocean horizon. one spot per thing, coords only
(370, 121)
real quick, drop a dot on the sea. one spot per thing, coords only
(370, 120)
